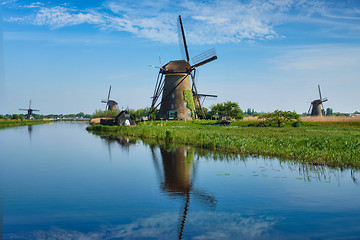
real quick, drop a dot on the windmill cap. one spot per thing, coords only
(180, 66)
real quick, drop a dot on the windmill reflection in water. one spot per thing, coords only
(177, 177)
(176, 172)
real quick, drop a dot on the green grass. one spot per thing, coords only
(15, 123)
(316, 144)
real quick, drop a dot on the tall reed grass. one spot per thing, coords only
(333, 146)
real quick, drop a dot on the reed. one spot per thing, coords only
(15, 123)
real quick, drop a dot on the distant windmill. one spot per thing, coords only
(30, 111)
(173, 84)
(111, 105)
(317, 106)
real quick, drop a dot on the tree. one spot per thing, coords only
(15, 116)
(280, 117)
(199, 113)
(329, 112)
(231, 109)
(250, 112)
(80, 115)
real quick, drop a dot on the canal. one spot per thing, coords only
(58, 181)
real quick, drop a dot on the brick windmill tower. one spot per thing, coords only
(317, 106)
(178, 96)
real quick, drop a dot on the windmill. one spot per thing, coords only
(111, 105)
(30, 111)
(179, 97)
(317, 106)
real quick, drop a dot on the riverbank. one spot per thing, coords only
(16, 123)
(315, 144)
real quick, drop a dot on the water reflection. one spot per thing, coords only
(252, 197)
(1, 215)
(123, 142)
(177, 178)
(30, 129)
(306, 172)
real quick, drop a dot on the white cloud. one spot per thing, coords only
(205, 22)
(59, 17)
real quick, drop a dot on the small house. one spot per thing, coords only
(124, 119)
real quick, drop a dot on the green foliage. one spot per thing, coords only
(139, 113)
(279, 117)
(334, 146)
(298, 124)
(231, 109)
(2, 116)
(188, 97)
(15, 116)
(105, 114)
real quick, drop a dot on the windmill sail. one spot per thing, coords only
(182, 41)
(205, 57)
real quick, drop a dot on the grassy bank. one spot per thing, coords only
(316, 144)
(15, 123)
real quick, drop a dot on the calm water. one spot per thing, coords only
(57, 181)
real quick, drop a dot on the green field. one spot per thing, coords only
(15, 123)
(332, 144)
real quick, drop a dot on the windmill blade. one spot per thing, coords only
(109, 94)
(156, 161)
(159, 57)
(30, 104)
(309, 109)
(207, 95)
(184, 215)
(23, 109)
(196, 94)
(319, 92)
(182, 40)
(205, 198)
(154, 66)
(205, 57)
(34, 110)
(159, 88)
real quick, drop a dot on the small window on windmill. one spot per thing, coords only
(127, 116)
(172, 106)
(185, 105)
(173, 95)
(189, 113)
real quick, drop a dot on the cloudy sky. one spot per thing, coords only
(64, 55)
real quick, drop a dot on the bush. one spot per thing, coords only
(280, 117)
(298, 124)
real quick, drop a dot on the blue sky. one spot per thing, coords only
(63, 55)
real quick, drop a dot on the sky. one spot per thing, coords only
(64, 55)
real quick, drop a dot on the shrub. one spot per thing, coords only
(297, 124)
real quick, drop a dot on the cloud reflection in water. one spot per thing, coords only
(200, 225)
